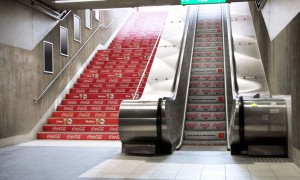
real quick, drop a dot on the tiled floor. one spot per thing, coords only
(103, 160)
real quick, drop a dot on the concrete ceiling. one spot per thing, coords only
(103, 4)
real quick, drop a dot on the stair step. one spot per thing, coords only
(207, 71)
(122, 61)
(208, 23)
(105, 85)
(206, 84)
(208, 54)
(202, 35)
(207, 59)
(207, 65)
(80, 128)
(203, 116)
(88, 108)
(120, 66)
(207, 145)
(113, 51)
(92, 70)
(205, 125)
(110, 75)
(206, 107)
(218, 30)
(206, 91)
(210, 49)
(78, 136)
(101, 96)
(205, 135)
(91, 101)
(209, 39)
(106, 90)
(206, 99)
(212, 77)
(204, 26)
(112, 80)
(83, 121)
(89, 114)
(132, 46)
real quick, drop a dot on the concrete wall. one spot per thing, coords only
(22, 77)
(22, 26)
(281, 58)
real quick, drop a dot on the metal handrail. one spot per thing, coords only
(149, 59)
(100, 26)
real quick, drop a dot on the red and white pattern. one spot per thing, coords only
(90, 111)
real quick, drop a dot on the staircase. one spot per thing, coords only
(205, 117)
(90, 111)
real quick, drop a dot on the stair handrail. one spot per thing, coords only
(149, 59)
(69, 62)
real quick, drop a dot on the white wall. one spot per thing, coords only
(278, 13)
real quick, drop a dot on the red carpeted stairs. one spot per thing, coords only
(90, 111)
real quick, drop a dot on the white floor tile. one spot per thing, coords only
(264, 178)
(289, 178)
(259, 167)
(262, 174)
(150, 166)
(214, 167)
(138, 176)
(191, 167)
(285, 170)
(93, 174)
(163, 176)
(212, 177)
(114, 175)
(236, 168)
(187, 177)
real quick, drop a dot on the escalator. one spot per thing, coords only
(210, 105)
(205, 116)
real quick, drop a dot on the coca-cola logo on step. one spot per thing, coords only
(98, 136)
(110, 108)
(74, 136)
(98, 102)
(83, 115)
(97, 129)
(110, 85)
(114, 114)
(204, 125)
(64, 114)
(82, 108)
(191, 125)
(207, 115)
(68, 108)
(102, 114)
(106, 90)
(71, 102)
(120, 90)
(78, 129)
(59, 128)
(85, 102)
(93, 91)
(113, 80)
(112, 102)
(96, 108)
(53, 136)
(113, 137)
(114, 129)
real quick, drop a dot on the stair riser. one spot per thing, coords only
(205, 107)
(96, 71)
(202, 135)
(107, 90)
(57, 128)
(103, 85)
(207, 59)
(205, 49)
(203, 116)
(59, 136)
(208, 44)
(133, 46)
(110, 75)
(142, 61)
(123, 66)
(83, 121)
(91, 102)
(218, 77)
(206, 99)
(87, 108)
(207, 71)
(208, 65)
(191, 125)
(100, 96)
(114, 51)
(72, 114)
(209, 39)
(208, 54)
(205, 91)
(111, 80)
(208, 84)
(206, 35)
(200, 31)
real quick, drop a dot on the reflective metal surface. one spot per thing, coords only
(145, 125)
(265, 128)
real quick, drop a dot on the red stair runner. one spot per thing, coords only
(90, 111)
